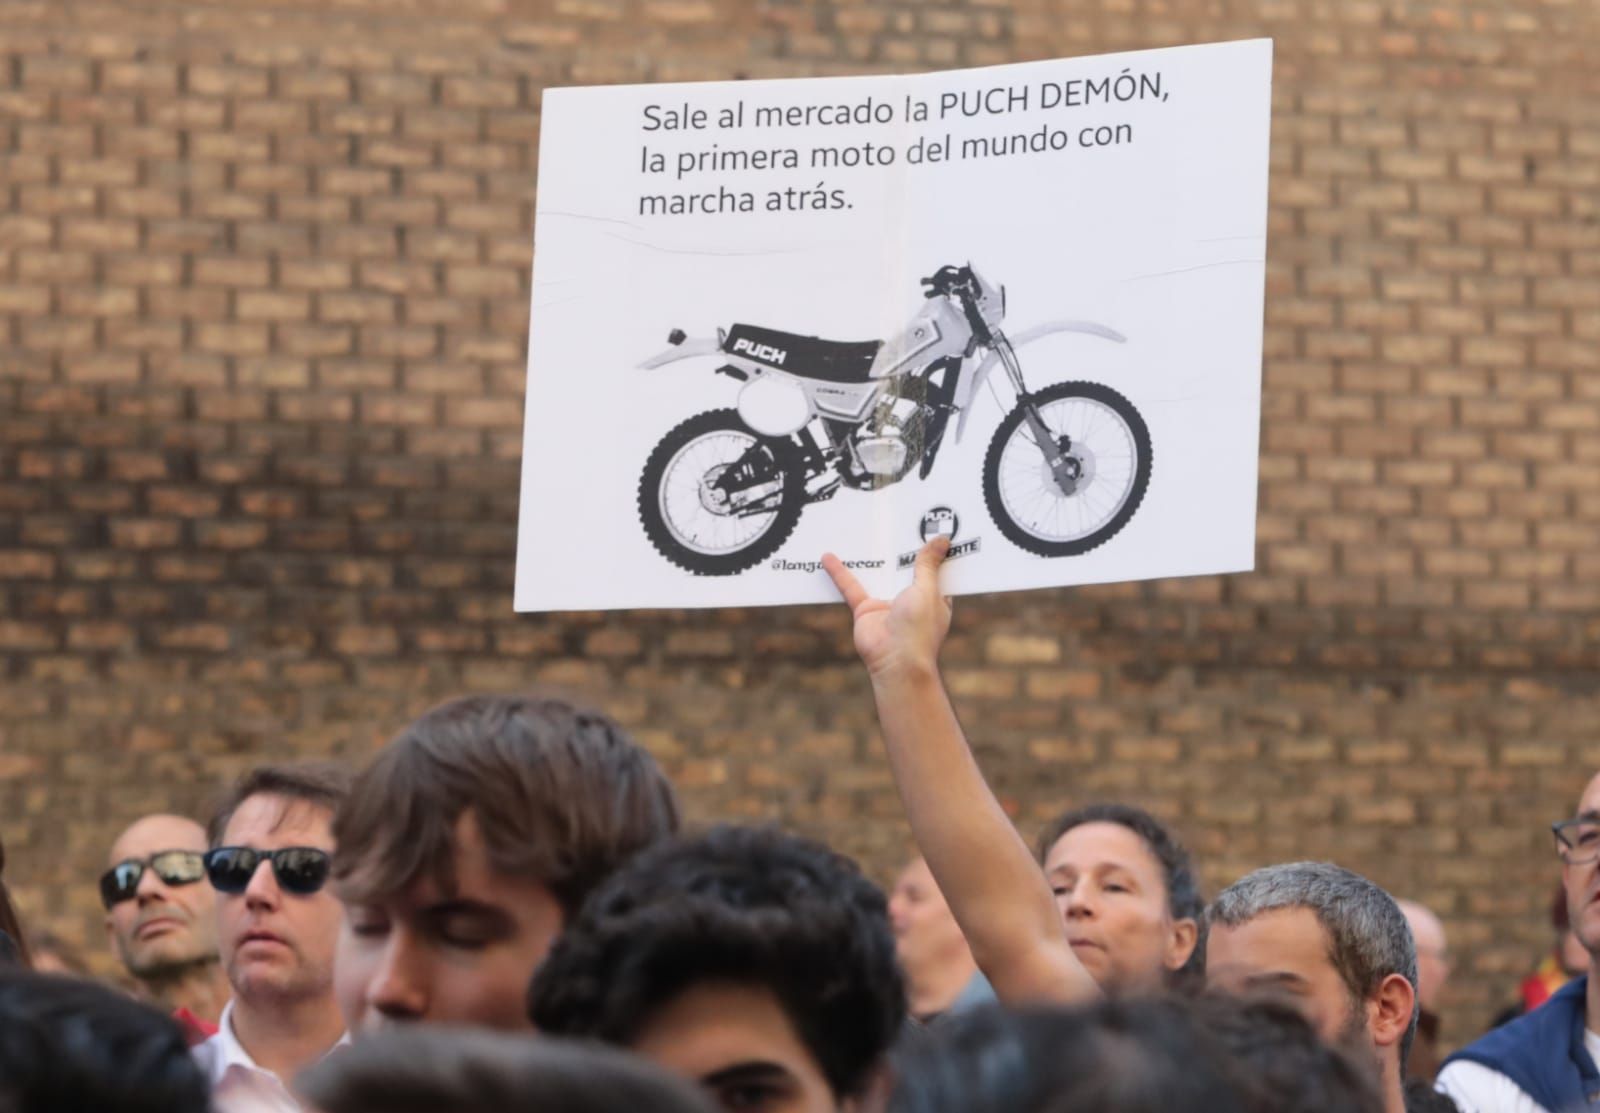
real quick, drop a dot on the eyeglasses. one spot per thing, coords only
(1577, 840)
(300, 870)
(175, 867)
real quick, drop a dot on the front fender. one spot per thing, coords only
(689, 349)
(976, 380)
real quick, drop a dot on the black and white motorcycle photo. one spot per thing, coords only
(1064, 472)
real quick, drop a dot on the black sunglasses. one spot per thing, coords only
(300, 870)
(175, 867)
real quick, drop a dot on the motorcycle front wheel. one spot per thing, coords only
(706, 521)
(1107, 445)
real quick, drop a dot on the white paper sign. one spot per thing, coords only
(1021, 305)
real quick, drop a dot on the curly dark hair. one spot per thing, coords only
(1282, 1065)
(1131, 1055)
(750, 905)
(1177, 870)
(1119, 1055)
(66, 1043)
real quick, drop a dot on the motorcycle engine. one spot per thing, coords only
(889, 443)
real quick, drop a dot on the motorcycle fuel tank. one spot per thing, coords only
(774, 405)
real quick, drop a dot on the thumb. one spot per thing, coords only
(926, 574)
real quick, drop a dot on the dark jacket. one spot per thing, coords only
(1543, 1052)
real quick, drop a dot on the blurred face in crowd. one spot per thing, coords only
(277, 944)
(738, 1043)
(927, 940)
(162, 927)
(463, 955)
(1286, 953)
(1433, 955)
(1582, 879)
(1112, 893)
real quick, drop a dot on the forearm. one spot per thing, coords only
(994, 887)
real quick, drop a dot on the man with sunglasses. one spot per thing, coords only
(161, 917)
(1544, 1062)
(277, 924)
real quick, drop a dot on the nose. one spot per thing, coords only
(262, 894)
(1078, 903)
(897, 910)
(150, 887)
(398, 988)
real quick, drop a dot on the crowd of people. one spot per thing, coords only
(502, 912)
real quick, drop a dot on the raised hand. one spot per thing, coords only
(900, 637)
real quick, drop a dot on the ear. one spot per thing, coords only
(1389, 1011)
(1181, 942)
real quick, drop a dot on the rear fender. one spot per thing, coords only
(689, 349)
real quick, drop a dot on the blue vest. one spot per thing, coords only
(1543, 1052)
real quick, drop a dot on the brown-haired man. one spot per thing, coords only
(469, 842)
(277, 924)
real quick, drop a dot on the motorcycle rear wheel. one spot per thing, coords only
(1110, 441)
(687, 519)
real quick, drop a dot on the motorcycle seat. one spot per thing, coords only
(834, 361)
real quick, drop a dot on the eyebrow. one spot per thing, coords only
(466, 906)
(1277, 977)
(754, 1070)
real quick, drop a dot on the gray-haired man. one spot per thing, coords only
(1331, 942)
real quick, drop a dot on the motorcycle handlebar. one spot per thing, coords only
(944, 280)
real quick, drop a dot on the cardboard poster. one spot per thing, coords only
(1021, 305)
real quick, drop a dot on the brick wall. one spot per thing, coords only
(263, 287)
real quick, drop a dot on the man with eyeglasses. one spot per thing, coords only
(1544, 1062)
(277, 924)
(161, 917)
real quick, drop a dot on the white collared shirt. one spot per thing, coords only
(238, 1084)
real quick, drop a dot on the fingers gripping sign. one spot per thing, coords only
(904, 635)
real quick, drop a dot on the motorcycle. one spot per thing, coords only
(1065, 471)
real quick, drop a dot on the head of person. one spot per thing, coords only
(1280, 1063)
(1128, 895)
(271, 848)
(1433, 953)
(67, 1043)
(161, 915)
(933, 953)
(1578, 845)
(13, 947)
(468, 843)
(468, 1070)
(1120, 1055)
(1327, 941)
(758, 963)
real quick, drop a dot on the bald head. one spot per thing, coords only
(155, 833)
(1433, 954)
(164, 926)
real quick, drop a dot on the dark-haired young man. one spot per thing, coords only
(277, 923)
(468, 843)
(759, 964)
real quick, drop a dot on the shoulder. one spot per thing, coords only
(1476, 1088)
